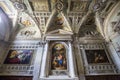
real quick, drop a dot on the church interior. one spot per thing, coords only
(59, 39)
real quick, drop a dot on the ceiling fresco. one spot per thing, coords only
(39, 5)
(77, 6)
(57, 15)
(58, 21)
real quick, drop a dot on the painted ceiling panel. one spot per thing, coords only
(58, 21)
(79, 6)
(40, 5)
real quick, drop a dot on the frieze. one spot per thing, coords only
(27, 33)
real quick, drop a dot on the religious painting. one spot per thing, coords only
(96, 56)
(18, 57)
(59, 61)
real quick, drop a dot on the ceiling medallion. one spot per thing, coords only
(19, 6)
(59, 6)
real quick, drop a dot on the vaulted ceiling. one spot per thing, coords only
(76, 13)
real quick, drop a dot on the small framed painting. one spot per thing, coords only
(96, 56)
(18, 56)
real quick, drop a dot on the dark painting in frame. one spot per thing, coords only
(96, 56)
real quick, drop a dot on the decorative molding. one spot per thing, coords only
(116, 27)
(59, 6)
(16, 70)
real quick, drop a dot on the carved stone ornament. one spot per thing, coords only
(96, 7)
(99, 5)
(28, 33)
(59, 6)
(19, 6)
(117, 27)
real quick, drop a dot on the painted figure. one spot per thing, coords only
(58, 57)
(96, 56)
(99, 58)
(18, 57)
(60, 60)
(13, 57)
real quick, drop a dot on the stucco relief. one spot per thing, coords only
(78, 5)
(40, 5)
(20, 6)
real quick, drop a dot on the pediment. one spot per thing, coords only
(59, 32)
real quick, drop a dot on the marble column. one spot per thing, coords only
(114, 55)
(44, 58)
(80, 62)
(37, 62)
(71, 63)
